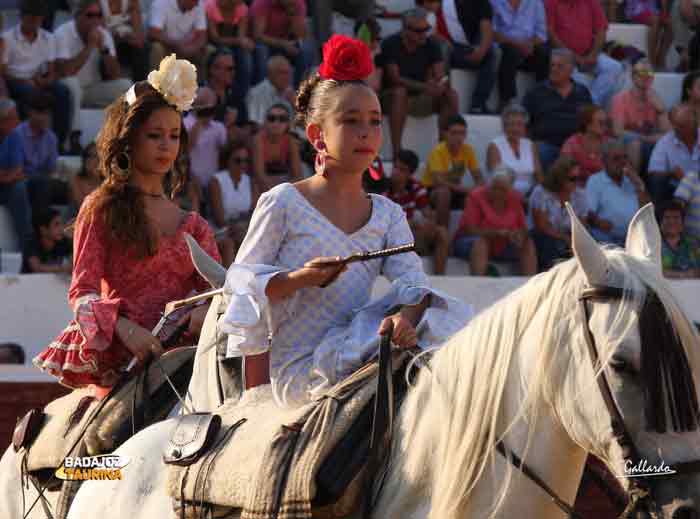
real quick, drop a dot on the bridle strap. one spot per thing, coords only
(629, 450)
(530, 474)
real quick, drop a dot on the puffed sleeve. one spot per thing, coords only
(205, 238)
(96, 316)
(249, 319)
(403, 269)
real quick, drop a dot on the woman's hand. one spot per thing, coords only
(138, 340)
(319, 272)
(195, 320)
(404, 332)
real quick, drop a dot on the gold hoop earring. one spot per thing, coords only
(122, 164)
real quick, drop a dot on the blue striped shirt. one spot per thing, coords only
(689, 191)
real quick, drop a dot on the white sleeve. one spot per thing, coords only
(61, 38)
(109, 42)
(51, 57)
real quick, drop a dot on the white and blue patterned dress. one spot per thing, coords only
(318, 336)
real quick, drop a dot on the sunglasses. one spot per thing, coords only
(573, 178)
(277, 119)
(419, 30)
(240, 160)
(93, 14)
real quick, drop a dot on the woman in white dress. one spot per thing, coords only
(513, 150)
(279, 317)
(232, 197)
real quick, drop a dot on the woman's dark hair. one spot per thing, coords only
(116, 200)
(231, 149)
(87, 150)
(42, 217)
(558, 173)
(585, 115)
(220, 51)
(409, 158)
(279, 106)
(315, 97)
(688, 82)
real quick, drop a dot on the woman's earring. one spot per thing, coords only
(123, 164)
(321, 154)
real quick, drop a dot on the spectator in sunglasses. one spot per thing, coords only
(551, 229)
(207, 137)
(86, 59)
(276, 152)
(414, 71)
(232, 197)
(639, 115)
(614, 195)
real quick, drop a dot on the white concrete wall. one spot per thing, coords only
(34, 309)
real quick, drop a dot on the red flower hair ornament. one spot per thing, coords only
(346, 59)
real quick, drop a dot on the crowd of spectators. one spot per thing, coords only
(592, 131)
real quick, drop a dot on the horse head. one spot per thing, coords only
(649, 435)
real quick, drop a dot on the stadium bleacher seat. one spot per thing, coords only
(419, 135)
(8, 238)
(91, 120)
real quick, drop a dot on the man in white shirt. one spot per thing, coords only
(180, 27)
(87, 59)
(29, 63)
(277, 88)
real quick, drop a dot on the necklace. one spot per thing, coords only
(152, 195)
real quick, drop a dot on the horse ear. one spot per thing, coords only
(643, 236)
(588, 253)
(209, 269)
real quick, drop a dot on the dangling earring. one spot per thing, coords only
(321, 155)
(122, 164)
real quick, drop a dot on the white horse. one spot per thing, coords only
(22, 501)
(520, 372)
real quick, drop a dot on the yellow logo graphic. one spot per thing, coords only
(100, 468)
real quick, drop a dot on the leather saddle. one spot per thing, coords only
(344, 480)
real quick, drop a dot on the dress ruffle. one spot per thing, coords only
(75, 365)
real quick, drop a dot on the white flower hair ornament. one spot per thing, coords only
(175, 79)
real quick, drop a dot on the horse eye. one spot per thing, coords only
(620, 365)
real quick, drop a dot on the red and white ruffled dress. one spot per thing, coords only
(109, 281)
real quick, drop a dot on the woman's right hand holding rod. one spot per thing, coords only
(318, 272)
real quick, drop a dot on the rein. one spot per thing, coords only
(640, 490)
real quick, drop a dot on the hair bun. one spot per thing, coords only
(346, 59)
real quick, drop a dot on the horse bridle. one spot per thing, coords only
(640, 491)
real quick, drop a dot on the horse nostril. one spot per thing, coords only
(685, 512)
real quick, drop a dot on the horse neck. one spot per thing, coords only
(551, 453)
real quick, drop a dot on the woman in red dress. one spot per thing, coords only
(130, 255)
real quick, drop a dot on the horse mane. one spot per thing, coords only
(465, 388)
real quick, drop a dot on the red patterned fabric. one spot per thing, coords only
(109, 282)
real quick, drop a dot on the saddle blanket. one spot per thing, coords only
(67, 417)
(265, 458)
